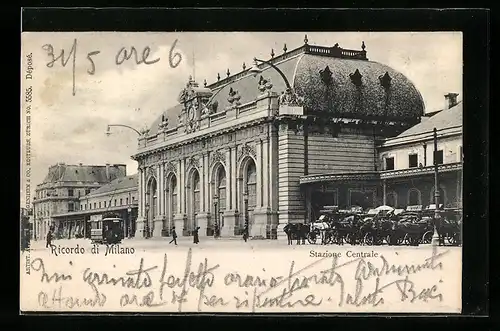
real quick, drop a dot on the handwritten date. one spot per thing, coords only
(63, 57)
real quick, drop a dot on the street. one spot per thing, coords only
(209, 243)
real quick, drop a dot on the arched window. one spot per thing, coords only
(414, 197)
(196, 192)
(221, 188)
(392, 199)
(173, 196)
(252, 185)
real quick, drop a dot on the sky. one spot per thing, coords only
(71, 128)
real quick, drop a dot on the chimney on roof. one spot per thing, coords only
(450, 100)
(108, 175)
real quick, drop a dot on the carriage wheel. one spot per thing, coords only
(368, 239)
(427, 237)
(347, 238)
(407, 239)
(400, 240)
(331, 238)
(312, 237)
(452, 239)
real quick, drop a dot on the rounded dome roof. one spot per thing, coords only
(333, 85)
(342, 87)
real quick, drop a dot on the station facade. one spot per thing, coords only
(271, 143)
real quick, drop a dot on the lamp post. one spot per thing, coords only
(216, 216)
(129, 218)
(435, 235)
(255, 70)
(108, 129)
(146, 228)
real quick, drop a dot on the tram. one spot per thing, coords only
(107, 230)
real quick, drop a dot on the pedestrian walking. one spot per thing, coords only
(287, 229)
(49, 239)
(245, 232)
(196, 238)
(174, 237)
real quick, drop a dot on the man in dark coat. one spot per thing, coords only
(196, 239)
(245, 232)
(287, 229)
(49, 239)
(174, 237)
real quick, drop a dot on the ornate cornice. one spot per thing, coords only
(202, 136)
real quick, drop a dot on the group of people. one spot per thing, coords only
(196, 237)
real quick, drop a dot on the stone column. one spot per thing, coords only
(179, 214)
(230, 214)
(384, 190)
(140, 222)
(158, 219)
(259, 226)
(203, 216)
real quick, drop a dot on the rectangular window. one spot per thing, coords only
(104, 204)
(126, 201)
(71, 207)
(115, 202)
(70, 192)
(252, 195)
(174, 204)
(438, 157)
(196, 201)
(100, 205)
(412, 161)
(389, 163)
(121, 202)
(222, 199)
(81, 207)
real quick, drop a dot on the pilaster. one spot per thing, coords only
(230, 217)
(265, 174)
(202, 219)
(259, 169)
(140, 225)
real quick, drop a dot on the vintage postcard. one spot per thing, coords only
(241, 172)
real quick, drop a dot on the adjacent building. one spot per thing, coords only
(118, 197)
(273, 143)
(59, 196)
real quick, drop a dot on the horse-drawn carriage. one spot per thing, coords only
(378, 226)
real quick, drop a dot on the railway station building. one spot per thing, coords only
(316, 125)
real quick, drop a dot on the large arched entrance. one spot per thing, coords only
(170, 203)
(219, 198)
(248, 191)
(193, 202)
(151, 205)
